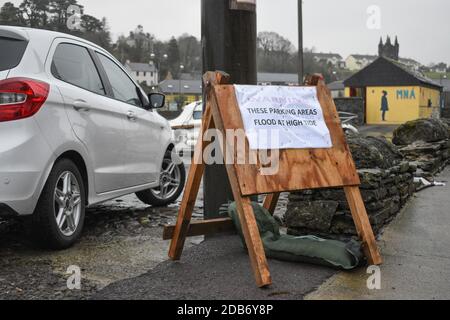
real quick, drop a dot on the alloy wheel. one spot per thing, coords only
(169, 180)
(67, 200)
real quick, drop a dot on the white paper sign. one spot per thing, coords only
(278, 117)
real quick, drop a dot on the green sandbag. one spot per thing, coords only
(309, 249)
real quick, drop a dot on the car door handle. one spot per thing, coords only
(131, 116)
(81, 106)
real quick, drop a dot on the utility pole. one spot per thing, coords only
(229, 44)
(300, 43)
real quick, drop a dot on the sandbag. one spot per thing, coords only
(308, 249)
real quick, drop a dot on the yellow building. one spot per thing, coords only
(180, 93)
(394, 94)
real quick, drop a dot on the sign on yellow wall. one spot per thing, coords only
(392, 105)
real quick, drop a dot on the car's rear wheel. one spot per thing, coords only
(59, 216)
(171, 184)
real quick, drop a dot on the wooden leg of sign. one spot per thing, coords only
(246, 216)
(363, 226)
(190, 193)
(253, 241)
(271, 201)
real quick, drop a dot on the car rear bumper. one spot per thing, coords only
(24, 158)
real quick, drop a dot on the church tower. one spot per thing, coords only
(389, 50)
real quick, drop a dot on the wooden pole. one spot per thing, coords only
(229, 44)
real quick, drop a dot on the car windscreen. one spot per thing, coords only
(11, 52)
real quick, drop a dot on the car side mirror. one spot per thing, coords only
(157, 100)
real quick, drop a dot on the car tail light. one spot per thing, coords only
(21, 98)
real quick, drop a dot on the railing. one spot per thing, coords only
(347, 117)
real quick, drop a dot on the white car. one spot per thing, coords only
(76, 130)
(186, 128)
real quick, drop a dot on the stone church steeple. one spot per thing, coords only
(389, 50)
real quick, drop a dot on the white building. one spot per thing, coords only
(356, 62)
(143, 72)
(411, 63)
(334, 59)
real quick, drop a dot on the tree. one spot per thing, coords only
(190, 53)
(35, 13)
(58, 10)
(95, 30)
(275, 53)
(10, 15)
(173, 59)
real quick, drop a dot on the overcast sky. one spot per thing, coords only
(423, 27)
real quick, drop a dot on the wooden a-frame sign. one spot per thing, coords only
(298, 170)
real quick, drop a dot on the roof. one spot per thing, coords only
(363, 56)
(440, 65)
(409, 60)
(387, 72)
(327, 55)
(336, 85)
(141, 67)
(187, 86)
(277, 77)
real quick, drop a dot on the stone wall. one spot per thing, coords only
(425, 143)
(352, 105)
(387, 184)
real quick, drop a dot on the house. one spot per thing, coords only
(411, 64)
(439, 68)
(333, 59)
(277, 79)
(146, 73)
(180, 92)
(356, 62)
(337, 89)
(393, 93)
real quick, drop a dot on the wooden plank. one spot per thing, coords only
(247, 218)
(271, 201)
(203, 228)
(195, 173)
(363, 226)
(190, 195)
(299, 169)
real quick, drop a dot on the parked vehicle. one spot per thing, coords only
(186, 128)
(346, 120)
(76, 130)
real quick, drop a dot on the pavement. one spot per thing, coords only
(416, 251)
(217, 269)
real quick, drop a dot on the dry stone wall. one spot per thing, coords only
(387, 184)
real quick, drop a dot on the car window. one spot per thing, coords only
(73, 64)
(123, 88)
(11, 53)
(198, 115)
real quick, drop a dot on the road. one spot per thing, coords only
(121, 239)
(121, 255)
